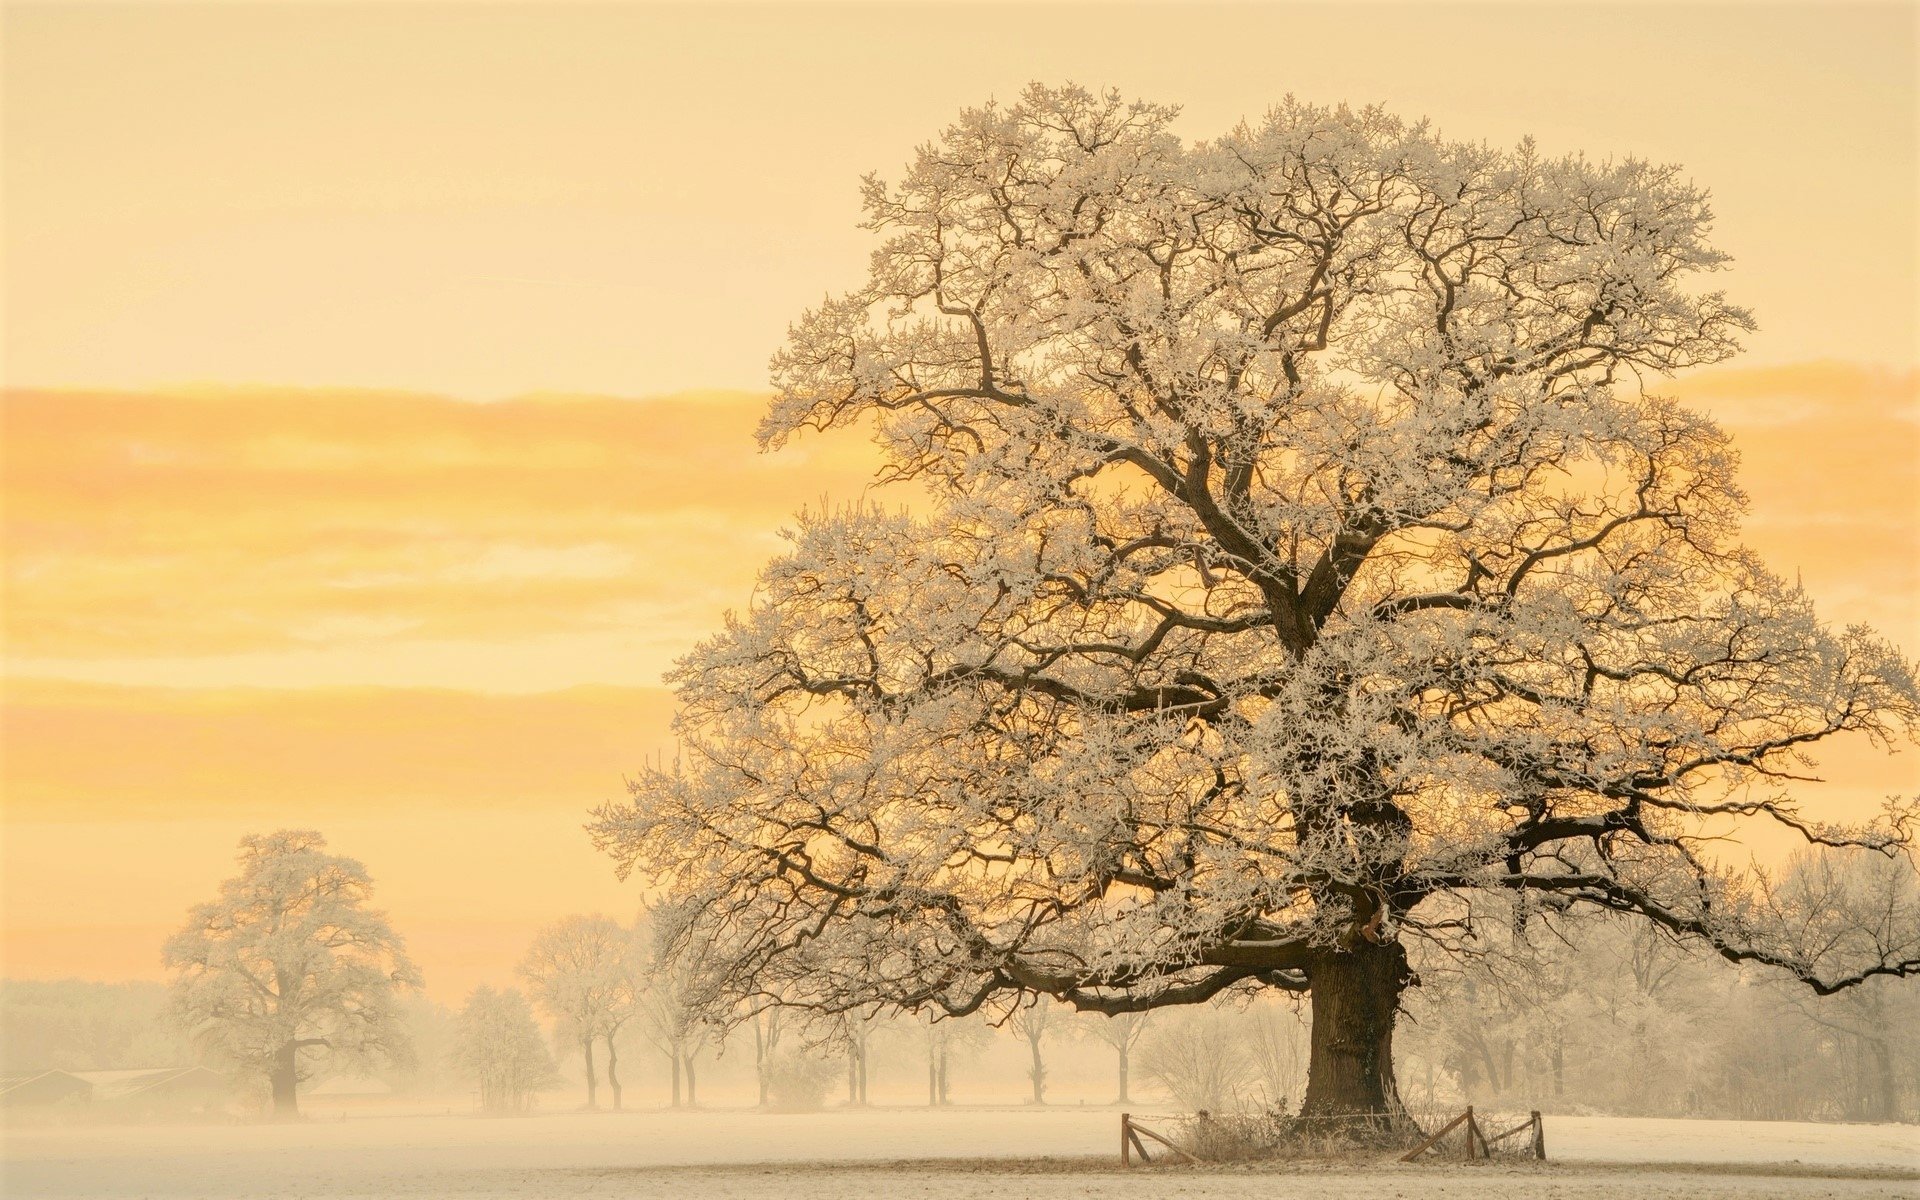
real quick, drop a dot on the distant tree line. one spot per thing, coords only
(80, 1025)
(1561, 1014)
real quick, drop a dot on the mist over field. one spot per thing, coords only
(1642, 1054)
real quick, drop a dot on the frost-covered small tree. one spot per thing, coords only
(853, 1033)
(674, 999)
(946, 1039)
(1307, 572)
(1279, 1043)
(1031, 1023)
(767, 1031)
(498, 1047)
(290, 968)
(1122, 1032)
(1202, 1057)
(583, 971)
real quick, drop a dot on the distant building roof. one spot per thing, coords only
(42, 1087)
(150, 1081)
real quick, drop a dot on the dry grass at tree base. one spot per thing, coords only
(1274, 1134)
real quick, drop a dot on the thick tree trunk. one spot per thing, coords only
(593, 1082)
(613, 1072)
(1355, 995)
(693, 1092)
(1038, 1072)
(285, 1078)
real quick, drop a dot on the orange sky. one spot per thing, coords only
(341, 581)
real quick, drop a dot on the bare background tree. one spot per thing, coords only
(1031, 1023)
(582, 971)
(674, 1003)
(1200, 1056)
(946, 1042)
(1121, 1031)
(500, 1050)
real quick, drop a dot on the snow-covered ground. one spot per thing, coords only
(734, 1155)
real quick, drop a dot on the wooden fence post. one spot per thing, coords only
(1539, 1136)
(1126, 1135)
(1434, 1138)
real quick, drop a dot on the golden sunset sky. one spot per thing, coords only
(380, 379)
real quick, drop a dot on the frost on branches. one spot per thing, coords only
(289, 969)
(1308, 577)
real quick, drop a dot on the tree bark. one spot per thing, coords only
(1355, 995)
(285, 1078)
(613, 1072)
(593, 1082)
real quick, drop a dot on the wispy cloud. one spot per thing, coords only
(1830, 456)
(300, 536)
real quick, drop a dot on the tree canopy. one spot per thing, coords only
(1309, 571)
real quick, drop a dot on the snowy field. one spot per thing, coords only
(1004, 1152)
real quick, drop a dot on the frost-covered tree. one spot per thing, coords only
(583, 972)
(945, 1039)
(1202, 1057)
(1122, 1032)
(1306, 572)
(674, 997)
(498, 1048)
(767, 1031)
(1031, 1023)
(853, 1033)
(290, 968)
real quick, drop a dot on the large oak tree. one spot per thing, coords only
(1308, 574)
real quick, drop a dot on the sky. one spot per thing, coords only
(381, 378)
